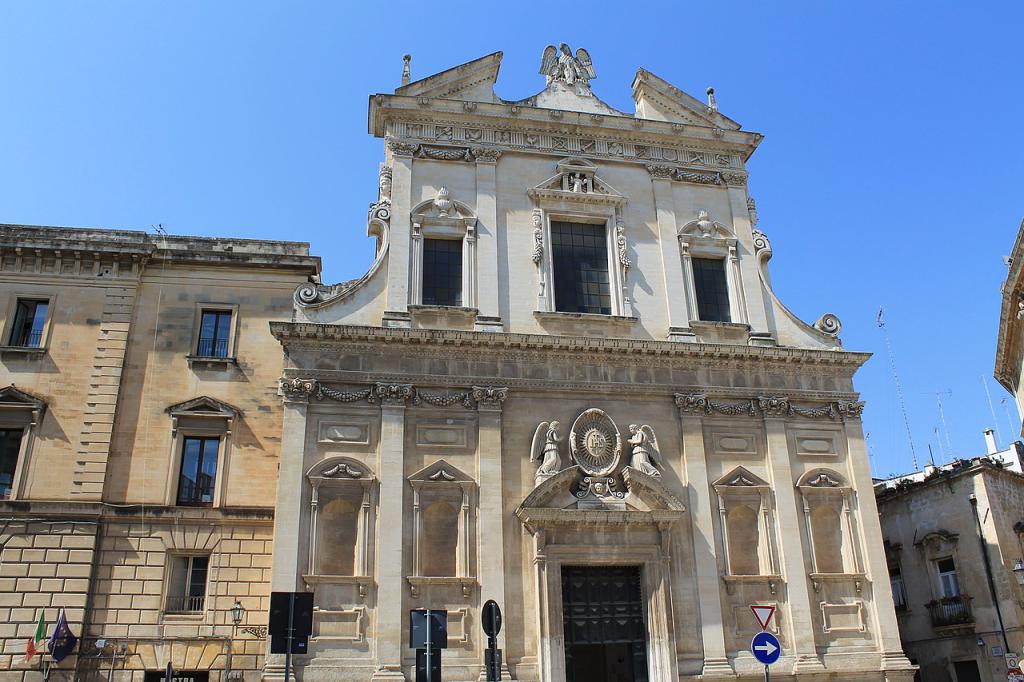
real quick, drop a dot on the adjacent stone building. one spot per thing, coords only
(954, 623)
(139, 446)
(1010, 345)
(566, 384)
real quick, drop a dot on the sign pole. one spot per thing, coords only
(426, 656)
(767, 675)
(291, 625)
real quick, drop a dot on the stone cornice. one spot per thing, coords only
(1011, 314)
(296, 334)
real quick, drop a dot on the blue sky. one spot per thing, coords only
(891, 173)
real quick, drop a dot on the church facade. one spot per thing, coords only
(566, 384)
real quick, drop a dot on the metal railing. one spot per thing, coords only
(212, 348)
(196, 493)
(951, 611)
(30, 339)
(185, 604)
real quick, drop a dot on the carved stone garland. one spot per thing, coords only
(769, 406)
(486, 397)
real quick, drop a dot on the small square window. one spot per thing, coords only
(214, 334)
(198, 471)
(712, 291)
(186, 584)
(29, 323)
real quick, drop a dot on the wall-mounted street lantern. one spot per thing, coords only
(1018, 570)
(237, 611)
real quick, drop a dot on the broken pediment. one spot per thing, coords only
(571, 497)
(472, 81)
(703, 227)
(576, 180)
(658, 100)
(340, 469)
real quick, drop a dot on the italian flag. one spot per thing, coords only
(34, 643)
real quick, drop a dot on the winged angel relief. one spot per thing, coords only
(645, 456)
(546, 437)
(559, 65)
(595, 446)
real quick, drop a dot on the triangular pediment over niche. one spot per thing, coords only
(740, 477)
(658, 100)
(441, 472)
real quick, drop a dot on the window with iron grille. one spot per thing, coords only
(214, 334)
(29, 323)
(10, 449)
(198, 471)
(186, 583)
(579, 254)
(711, 288)
(442, 272)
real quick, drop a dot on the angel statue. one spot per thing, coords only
(546, 437)
(561, 65)
(645, 456)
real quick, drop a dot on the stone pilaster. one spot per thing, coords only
(489, 317)
(390, 561)
(489, 401)
(674, 281)
(396, 312)
(702, 513)
(746, 268)
(876, 567)
(793, 551)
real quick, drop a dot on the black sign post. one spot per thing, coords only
(428, 634)
(291, 620)
(491, 620)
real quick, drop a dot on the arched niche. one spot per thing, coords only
(444, 502)
(830, 526)
(748, 529)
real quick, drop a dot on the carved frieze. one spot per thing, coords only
(769, 406)
(433, 131)
(478, 397)
(402, 147)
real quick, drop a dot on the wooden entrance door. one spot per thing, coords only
(605, 633)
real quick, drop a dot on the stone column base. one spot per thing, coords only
(805, 663)
(717, 669)
(506, 675)
(389, 673)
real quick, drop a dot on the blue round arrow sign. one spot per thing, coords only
(766, 648)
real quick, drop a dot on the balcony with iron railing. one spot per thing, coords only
(30, 338)
(185, 604)
(951, 611)
(212, 348)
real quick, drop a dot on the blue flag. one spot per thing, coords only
(62, 641)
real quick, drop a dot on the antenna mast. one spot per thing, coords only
(899, 387)
(991, 409)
